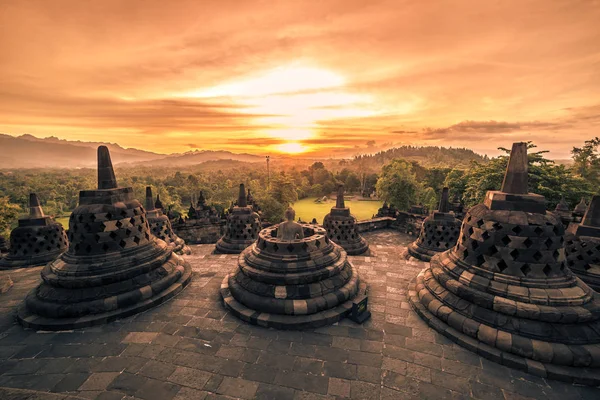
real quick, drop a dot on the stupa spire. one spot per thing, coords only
(592, 215)
(149, 199)
(242, 201)
(35, 209)
(106, 174)
(158, 203)
(340, 197)
(444, 206)
(515, 178)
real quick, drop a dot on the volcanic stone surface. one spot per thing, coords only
(114, 266)
(341, 227)
(160, 225)
(242, 227)
(583, 246)
(505, 291)
(292, 284)
(36, 241)
(439, 232)
(192, 347)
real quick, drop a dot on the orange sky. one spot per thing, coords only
(320, 77)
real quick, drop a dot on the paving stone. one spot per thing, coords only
(99, 381)
(339, 387)
(482, 391)
(346, 343)
(237, 387)
(157, 370)
(272, 392)
(364, 358)
(308, 365)
(189, 377)
(71, 382)
(157, 390)
(301, 381)
(127, 383)
(186, 393)
(213, 383)
(340, 370)
(364, 390)
(259, 373)
(368, 374)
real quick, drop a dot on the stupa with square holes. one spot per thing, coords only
(160, 225)
(505, 291)
(114, 267)
(294, 277)
(439, 232)
(36, 241)
(242, 227)
(583, 246)
(203, 224)
(341, 227)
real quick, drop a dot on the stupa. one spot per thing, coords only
(439, 232)
(294, 277)
(3, 245)
(583, 246)
(114, 266)
(341, 227)
(564, 212)
(36, 241)
(579, 210)
(505, 292)
(160, 225)
(203, 225)
(242, 227)
(387, 211)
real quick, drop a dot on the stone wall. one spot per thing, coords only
(375, 224)
(200, 233)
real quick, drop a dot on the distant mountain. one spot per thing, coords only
(200, 156)
(27, 151)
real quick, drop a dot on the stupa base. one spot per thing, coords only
(421, 253)
(226, 247)
(357, 248)
(34, 321)
(582, 376)
(286, 321)
(14, 263)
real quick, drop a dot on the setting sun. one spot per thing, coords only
(291, 148)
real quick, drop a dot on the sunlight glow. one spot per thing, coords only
(291, 148)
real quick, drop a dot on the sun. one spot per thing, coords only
(291, 148)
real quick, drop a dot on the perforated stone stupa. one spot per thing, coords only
(242, 227)
(36, 241)
(579, 210)
(160, 225)
(114, 266)
(505, 292)
(292, 277)
(583, 246)
(341, 227)
(3, 245)
(439, 232)
(564, 212)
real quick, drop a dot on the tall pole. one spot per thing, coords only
(268, 173)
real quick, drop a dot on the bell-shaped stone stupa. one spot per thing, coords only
(160, 225)
(505, 292)
(242, 227)
(579, 210)
(583, 246)
(439, 232)
(341, 227)
(3, 245)
(564, 212)
(114, 266)
(36, 241)
(294, 277)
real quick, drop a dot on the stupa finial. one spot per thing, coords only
(444, 206)
(149, 199)
(158, 204)
(35, 209)
(592, 214)
(106, 174)
(242, 201)
(515, 178)
(340, 197)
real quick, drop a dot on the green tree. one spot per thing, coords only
(271, 209)
(283, 189)
(9, 213)
(398, 184)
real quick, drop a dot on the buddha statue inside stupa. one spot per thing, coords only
(290, 229)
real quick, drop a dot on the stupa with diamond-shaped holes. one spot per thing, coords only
(439, 232)
(299, 283)
(160, 225)
(36, 241)
(341, 227)
(114, 267)
(583, 246)
(505, 292)
(242, 227)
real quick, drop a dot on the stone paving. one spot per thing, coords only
(192, 348)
